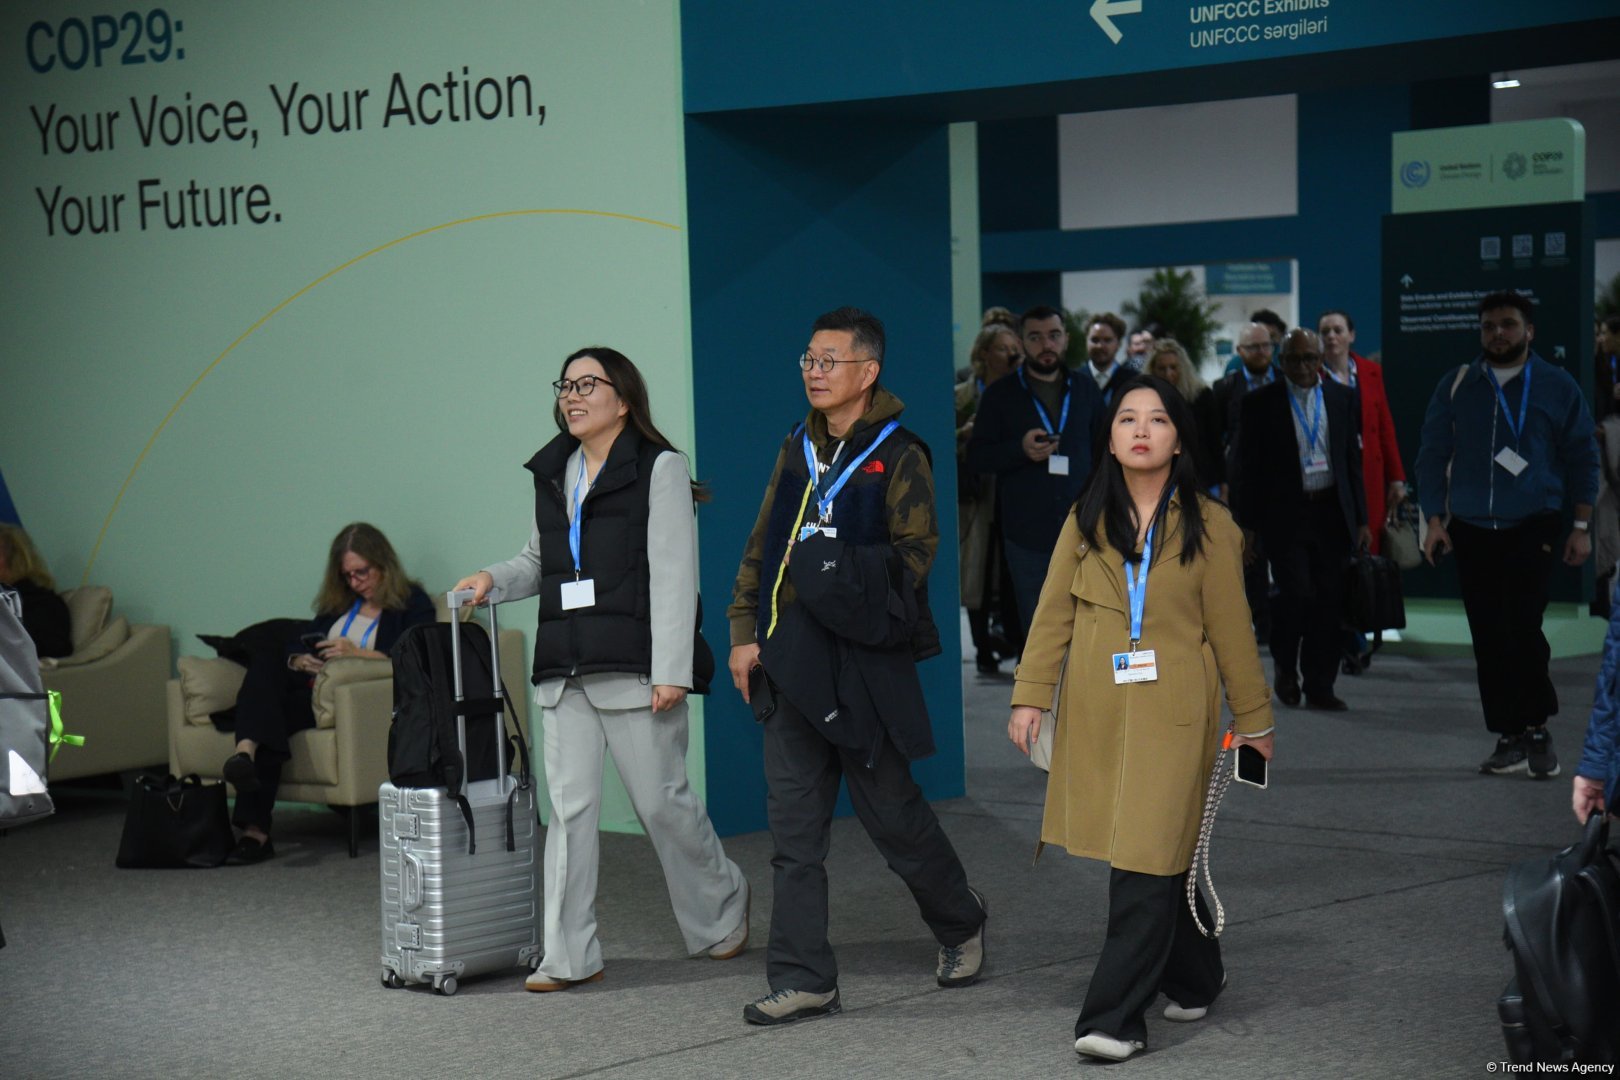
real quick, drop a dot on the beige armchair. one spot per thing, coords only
(343, 759)
(112, 689)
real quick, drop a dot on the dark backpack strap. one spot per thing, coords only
(466, 813)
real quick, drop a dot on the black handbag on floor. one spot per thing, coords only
(175, 822)
(1372, 595)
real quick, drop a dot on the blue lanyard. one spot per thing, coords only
(365, 637)
(1136, 587)
(1524, 402)
(1349, 373)
(824, 502)
(573, 526)
(1313, 428)
(1040, 410)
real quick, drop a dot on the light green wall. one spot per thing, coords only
(293, 381)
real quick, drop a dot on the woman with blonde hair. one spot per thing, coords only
(44, 614)
(365, 602)
(1168, 360)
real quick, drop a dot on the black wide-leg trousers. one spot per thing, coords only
(802, 771)
(1153, 945)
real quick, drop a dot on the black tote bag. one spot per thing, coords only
(175, 822)
(1373, 599)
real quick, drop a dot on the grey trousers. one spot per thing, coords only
(706, 889)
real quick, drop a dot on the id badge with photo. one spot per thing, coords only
(1138, 666)
(1058, 464)
(1510, 460)
(1316, 464)
(579, 594)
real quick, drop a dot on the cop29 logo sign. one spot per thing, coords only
(1513, 165)
(1415, 174)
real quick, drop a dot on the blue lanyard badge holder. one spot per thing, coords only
(825, 494)
(1056, 464)
(1509, 457)
(1139, 664)
(1314, 461)
(581, 592)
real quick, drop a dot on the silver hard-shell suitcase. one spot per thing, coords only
(447, 914)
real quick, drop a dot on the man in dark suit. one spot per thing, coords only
(1299, 450)
(1254, 348)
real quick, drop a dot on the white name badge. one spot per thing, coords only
(825, 530)
(1139, 666)
(1510, 460)
(1058, 464)
(1316, 464)
(578, 594)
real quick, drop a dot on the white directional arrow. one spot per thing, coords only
(1406, 281)
(1103, 12)
(1558, 352)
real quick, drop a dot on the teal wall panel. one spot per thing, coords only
(791, 217)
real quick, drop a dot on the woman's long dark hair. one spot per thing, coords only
(1107, 501)
(632, 390)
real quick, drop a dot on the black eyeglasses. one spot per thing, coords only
(581, 386)
(825, 363)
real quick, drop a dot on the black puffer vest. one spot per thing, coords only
(860, 515)
(615, 634)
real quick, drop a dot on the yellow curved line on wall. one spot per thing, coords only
(273, 312)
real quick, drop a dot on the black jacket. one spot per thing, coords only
(1270, 496)
(842, 653)
(1032, 501)
(418, 611)
(45, 617)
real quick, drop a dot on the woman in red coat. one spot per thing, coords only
(1380, 456)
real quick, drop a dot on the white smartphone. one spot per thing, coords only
(1249, 766)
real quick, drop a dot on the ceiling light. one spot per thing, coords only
(1504, 84)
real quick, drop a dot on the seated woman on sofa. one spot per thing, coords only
(365, 603)
(44, 614)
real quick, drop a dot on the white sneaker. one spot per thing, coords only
(736, 941)
(1182, 1015)
(1096, 1044)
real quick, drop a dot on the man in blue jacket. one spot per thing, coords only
(1506, 439)
(1033, 432)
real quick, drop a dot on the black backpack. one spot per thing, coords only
(1563, 931)
(422, 748)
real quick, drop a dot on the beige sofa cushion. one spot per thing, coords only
(88, 608)
(111, 638)
(340, 673)
(208, 685)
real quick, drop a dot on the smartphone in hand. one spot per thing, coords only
(311, 641)
(1249, 767)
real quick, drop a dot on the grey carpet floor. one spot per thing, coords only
(1363, 938)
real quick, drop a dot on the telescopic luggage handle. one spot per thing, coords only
(455, 600)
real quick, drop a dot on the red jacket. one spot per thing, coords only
(1380, 456)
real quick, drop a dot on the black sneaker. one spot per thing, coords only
(1543, 763)
(1510, 756)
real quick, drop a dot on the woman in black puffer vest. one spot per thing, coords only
(613, 559)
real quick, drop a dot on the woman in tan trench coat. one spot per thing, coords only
(1131, 759)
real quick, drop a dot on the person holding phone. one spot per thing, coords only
(613, 557)
(366, 601)
(1139, 719)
